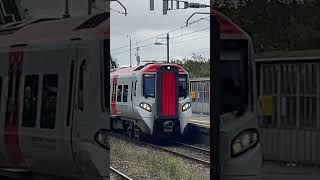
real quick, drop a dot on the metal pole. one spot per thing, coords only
(66, 13)
(167, 48)
(89, 7)
(215, 101)
(130, 53)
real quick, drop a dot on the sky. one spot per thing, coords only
(140, 24)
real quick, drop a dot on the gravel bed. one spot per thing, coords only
(142, 162)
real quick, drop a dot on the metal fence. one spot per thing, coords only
(200, 91)
(289, 93)
(289, 120)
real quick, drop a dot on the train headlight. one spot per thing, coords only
(102, 138)
(145, 106)
(246, 140)
(186, 106)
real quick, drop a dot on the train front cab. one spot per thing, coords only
(167, 91)
(239, 134)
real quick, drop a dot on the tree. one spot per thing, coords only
(278, 26)
(196, 66)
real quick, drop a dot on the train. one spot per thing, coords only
(239, 131)
(54, 99)
(55, 104)
(152, 100)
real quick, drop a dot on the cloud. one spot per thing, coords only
(141, 23)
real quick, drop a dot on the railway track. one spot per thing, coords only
(174, 150)
(192, 147)
(120, 174)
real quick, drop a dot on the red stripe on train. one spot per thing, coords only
(168, 91)
(11, 129)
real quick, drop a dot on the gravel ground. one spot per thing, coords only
(142, 162)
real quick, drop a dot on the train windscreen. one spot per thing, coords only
(183, 85)
(149, 85)
(234, 76)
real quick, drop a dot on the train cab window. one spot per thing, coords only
(234, 76)
(49, 101)
(119, 93)
(183, 85)
(149, 85)
(29, 114)
(81, 86)
(125, 93)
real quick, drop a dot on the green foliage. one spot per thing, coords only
(278, 26)
(196, 66)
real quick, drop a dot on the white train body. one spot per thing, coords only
(240, 145)
(54, 112)
(154, 99)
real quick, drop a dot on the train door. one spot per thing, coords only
(89, 121)
(44, 130)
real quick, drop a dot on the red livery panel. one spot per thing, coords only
(168, 99)
(11, 136)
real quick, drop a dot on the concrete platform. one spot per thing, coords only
(276, 171)
(200, 120)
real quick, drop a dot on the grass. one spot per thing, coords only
(151, 163)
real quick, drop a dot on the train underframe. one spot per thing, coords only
(138, 129)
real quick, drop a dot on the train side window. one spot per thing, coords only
(49, 101)
(119, 93)
(81, 86)
(29, 114)
(125, 93)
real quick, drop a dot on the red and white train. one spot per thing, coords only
(152, 99)
(54, 98)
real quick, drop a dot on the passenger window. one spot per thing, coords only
(30, 100)
(81, 86)
(119, 93)
(49, 101)
(125, 93)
